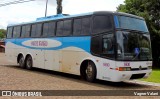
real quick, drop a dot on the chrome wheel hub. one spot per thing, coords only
(89, 71)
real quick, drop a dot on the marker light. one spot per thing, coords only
(124, 68)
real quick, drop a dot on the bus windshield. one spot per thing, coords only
(130, 23)
(133, 46)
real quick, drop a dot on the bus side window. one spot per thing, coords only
(101, 24)
(9, 32)
(51, 28)
(96, 45)
(77, 26)
(28, 30)
(59, 31)
(23, 31)
(86, 26)
(67, 28)
(33, 31)
(108, 45)
(16, 31)
(38, 29)
(45, 29)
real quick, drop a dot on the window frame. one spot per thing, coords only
(57, 34)
(18, 27)
(22, 31)
(35, 36)
(44, 29)
(90, 25)
(75, 34)
(71, 28)
(71, 34)
(11, 35)
(107, 30)
(101, 45)
(54, 31)
(90, 28)
(29, 30)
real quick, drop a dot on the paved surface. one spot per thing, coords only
(15, 78)
(145, 83)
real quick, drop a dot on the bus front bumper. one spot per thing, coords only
(118, 76)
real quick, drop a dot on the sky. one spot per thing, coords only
(29, 11)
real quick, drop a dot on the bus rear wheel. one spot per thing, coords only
(29, 62)
(90, 71)
(21, 62)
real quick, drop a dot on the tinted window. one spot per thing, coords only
(28, 30)
(9, 32)
(45, 29)
(16, 31)
(36, 30)
(131, 23)
(101, 24)
(77, 26)
(108, 43)
(59, 31)
(67, 27)
(23, 31)
(103, 45)
(96, 45)
(51, 28)
(85, 26)
(33, 31)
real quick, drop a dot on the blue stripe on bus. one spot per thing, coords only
(79, 42)
(116, 22)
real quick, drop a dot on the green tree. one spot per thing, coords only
(150, 10)
(2, 33)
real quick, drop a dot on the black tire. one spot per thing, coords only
(29, 62)
(90, 72)
(21, 62)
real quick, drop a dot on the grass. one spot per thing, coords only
(154, 77)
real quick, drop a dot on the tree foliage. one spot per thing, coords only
(150, 11)
(2, 33)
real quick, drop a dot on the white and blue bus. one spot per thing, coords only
(104, 45)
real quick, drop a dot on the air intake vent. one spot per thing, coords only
(136, 76)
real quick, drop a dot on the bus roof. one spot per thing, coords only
(65, 16)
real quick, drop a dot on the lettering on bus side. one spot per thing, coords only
(39, 43)
(127, 64)
(106, 64)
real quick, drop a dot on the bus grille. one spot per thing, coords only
(135, 69)
(136, 76)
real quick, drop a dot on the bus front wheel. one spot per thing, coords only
(90, 71)
(29, 62)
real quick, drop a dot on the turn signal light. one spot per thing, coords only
(124, 68)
